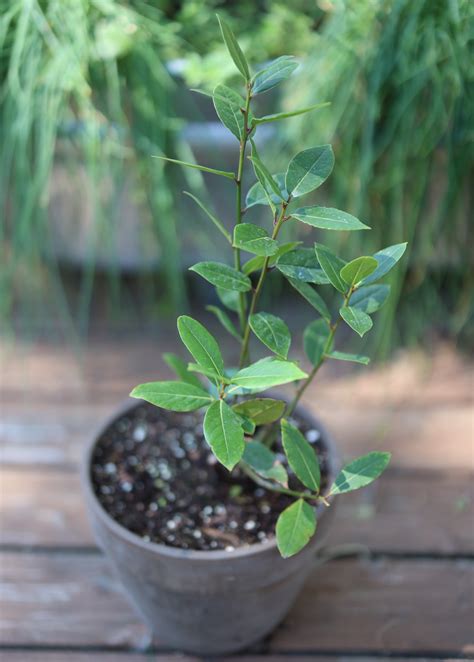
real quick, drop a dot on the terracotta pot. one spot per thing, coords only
(206, 602)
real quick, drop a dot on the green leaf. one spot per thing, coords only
(301, 264)
(256, 263)
(301, 456)
(356, 270)
(276, 72)
(353, 358)
(387, 258)
(295, 527)
(258, 195)
(228, 104)
(312, 297)
(180, 368)
(266, 373)
(225, 320)
(176, 396)
(229, 298)
(275, 117)
(263, 175)
(200, 344)
(223, 173)
(223, 276)
(207, 371)
(234, 49)
(359, 321)
(360, 472)
(369, 299)
(213, 218)
(309, 169)
(261, 410)
(331, 265)
(224, 434)
(315, 338)
(327, 218)
(254, 239)
(248, 426)
(264, 462)
(272, 331)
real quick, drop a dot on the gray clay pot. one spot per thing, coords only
(206, 602)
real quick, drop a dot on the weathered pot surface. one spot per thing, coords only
(205, 602)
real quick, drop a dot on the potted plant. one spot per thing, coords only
(211, 495)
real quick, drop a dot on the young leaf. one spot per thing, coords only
(213, 218)
(312, 297)
(213, 171)
(229, 298)
(369, 299)
(356, 270)
(263, 174)
(301, 264)
(387, 258)
(256, 263)
(276, 72)
(301, 456)
(359, 321)
(327, 218)
(295, 527)
(309, 169)
(264, 462)
(201, 344)
(180, 368)
(225, 320)
(248, 426)
(207, 371)
(266, 373)
(234, 49)
(261, 410)
(176, 396)
(360, 472)
(275, 117)
(254, 239)
(252, 265)
(224, 434)
(353, 358)
(223, 276)
(331, 265)
(272, 331)
(258, 195)
(228, 104)
(315, 338)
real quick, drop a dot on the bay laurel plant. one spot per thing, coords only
(240, 426)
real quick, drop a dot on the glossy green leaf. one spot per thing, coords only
(176, 396)
(272, 332)
(353, 358)
(359, 321)
(207, 371)
(360, 472)
(369, 299)
(210, 215)
(257, 194)
(263, 175)
(229, 298)
(301, 456)
(200, 344)
(225, 320)
(295, 527)
(256, 263)
(301, 264)
(331, 265)
(224, 434)
(180, 368)
(273, 74)
(327, 218)
(228, 104)
(266, 373)
(248, 426)
(223, 276)
(387, 258)
(261, 410)
(356, 270)
(234, 49)
(312, 297)
(309, 169)
(196, 166)
(254, 239)
(315, 338)
(264, 462)
(276, 117)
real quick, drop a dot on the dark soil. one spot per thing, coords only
(153, 472)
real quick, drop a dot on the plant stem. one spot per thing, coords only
(274, 487)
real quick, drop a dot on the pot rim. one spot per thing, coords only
(176, 552)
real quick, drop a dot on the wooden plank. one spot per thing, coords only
(347, 606)
(402, 512)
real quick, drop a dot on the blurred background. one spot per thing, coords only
(96, 233)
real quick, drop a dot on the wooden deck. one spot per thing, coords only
(404, 587)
